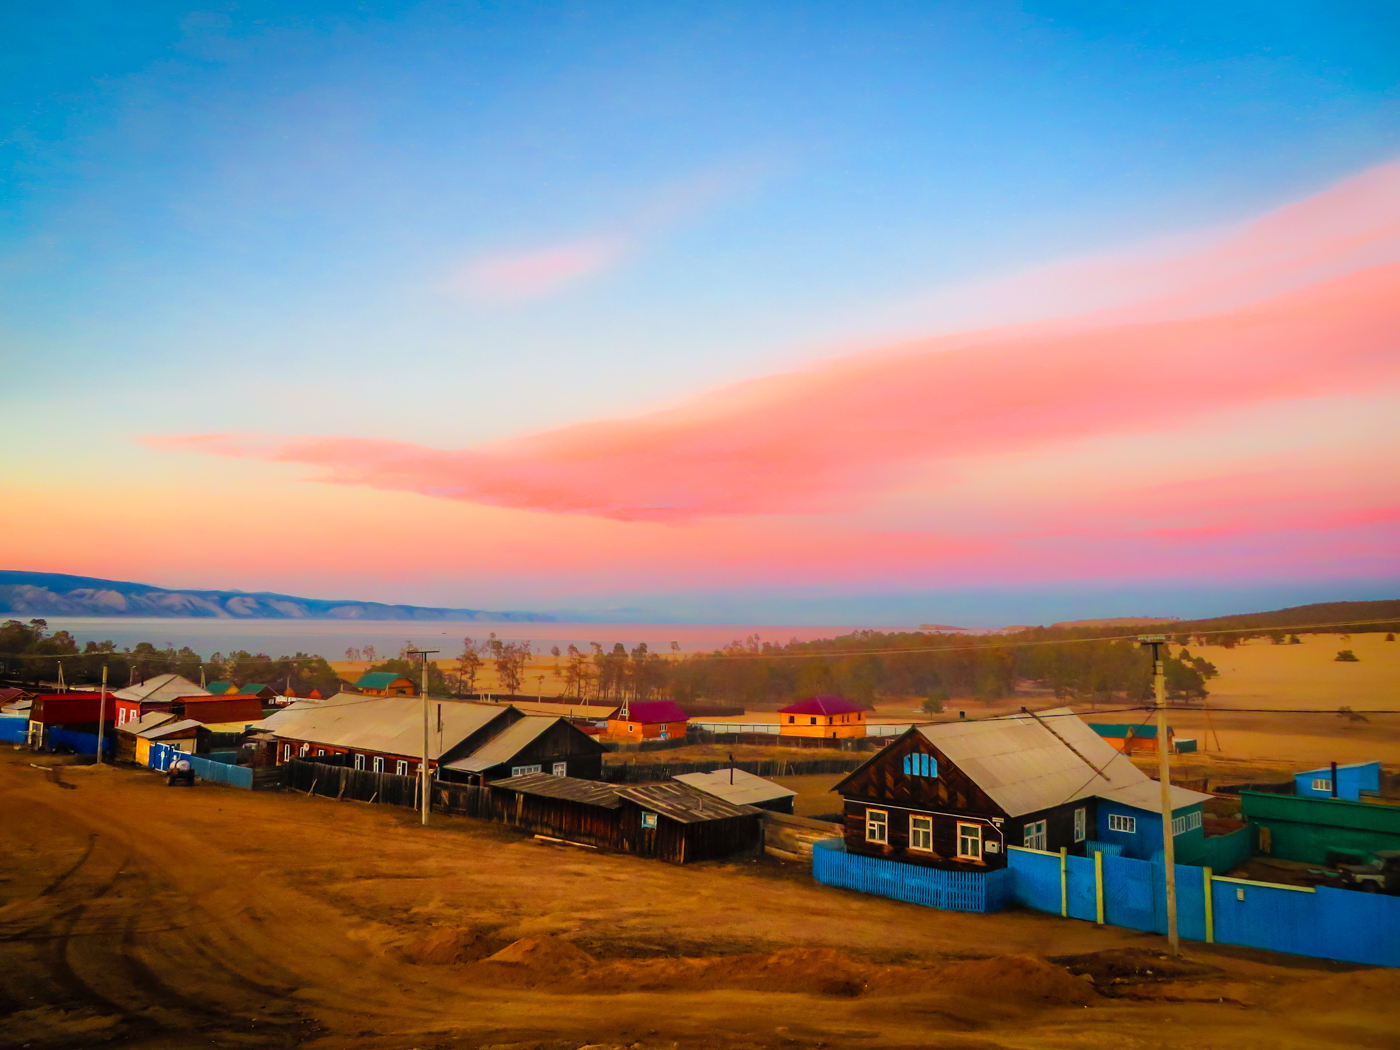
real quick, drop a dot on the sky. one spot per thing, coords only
(884, 313)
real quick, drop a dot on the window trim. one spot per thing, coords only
(1035, 831)
(560, 769)
(1122, 824)
(926, 829)
(359, 762)
(401, 767)
(882, 823)
(525, 771)
(1186, 822)
(377, 764)
(1081, 823)
(1322, 784)
(977, 828)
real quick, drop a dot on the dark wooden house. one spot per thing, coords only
(956, 795)
(532, 744)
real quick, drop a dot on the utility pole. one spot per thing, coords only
(101, 713)
(1164, 776)
(426, 793)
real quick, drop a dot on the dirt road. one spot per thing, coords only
(132, 914)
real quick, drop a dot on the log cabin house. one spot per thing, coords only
(955, 795)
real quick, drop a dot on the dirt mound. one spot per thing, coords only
(1361, 990)
(543, 956)
(1132, 966)
(813, 971)
(1020, 977)
(441, 946)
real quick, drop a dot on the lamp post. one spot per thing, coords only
(426, 793)
(1164, 777)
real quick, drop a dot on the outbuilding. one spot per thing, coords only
(825, 715)
(59, 718)
(1134, 739)
(648, 720)
(1347, 782)
(742, 789)
(131, 746)
(533, 744)
(183, 734)
(212, 709)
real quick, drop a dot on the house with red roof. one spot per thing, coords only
(648, 720)
(825, 716)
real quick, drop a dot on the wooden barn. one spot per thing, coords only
(533, 744)
(741, 788)
(956, 794)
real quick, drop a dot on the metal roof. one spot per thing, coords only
(174, 727)
(683, 803)
(651, 712)
(380, 679)
(825, 704)
(746, 789)
(161, 687)
(220, 688)
(147, 721)
(1027, 763)
(594, 712)
(391, 725)
(504, 746)
(589, 792)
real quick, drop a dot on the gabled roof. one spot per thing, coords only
(825, 704)
(147, 721)
(391, 725)
(1118, 730)
(506, 745)
(683, 803)
(251, 688)
(1027, 763)
(379, 679)
(9, 694)
(157, 732)
(736, 786)
(649, 712)
(220, 688)
(161, 687)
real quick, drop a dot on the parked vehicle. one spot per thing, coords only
(1382, 876)
(180, 772)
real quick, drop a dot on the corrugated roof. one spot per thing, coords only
(825, 704)
(220, 688)
(745, 790)
(1028, 763)
(650, 712)
(162, 687)
(174, 727)
(147, 721)
(379, 679)
(504, 746)
(683, 803)
(597, 712)
(589, 792)
(391, 725)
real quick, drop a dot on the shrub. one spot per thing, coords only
(1346, 656)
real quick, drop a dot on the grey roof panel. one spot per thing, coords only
(746, 789)
(162, 687)
(589, 792)
(683, 803)
(505, 745)
(156, 732)
(391, 725)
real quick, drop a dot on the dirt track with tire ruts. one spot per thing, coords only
(132, 914)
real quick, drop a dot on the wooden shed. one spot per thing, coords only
(533, 744)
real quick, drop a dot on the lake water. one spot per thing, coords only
(330, 638)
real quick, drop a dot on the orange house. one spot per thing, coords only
(385, 683)
(649, 720)
(825, 716)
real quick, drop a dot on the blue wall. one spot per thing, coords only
(14, 730)
(1351, 781)
(1147, 840)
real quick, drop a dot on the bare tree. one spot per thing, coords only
(469, 664)
(510, 659)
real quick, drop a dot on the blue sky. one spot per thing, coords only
(313, 218)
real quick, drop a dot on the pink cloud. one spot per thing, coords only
(529, 275)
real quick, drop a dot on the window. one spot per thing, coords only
(359, 761)
(629, 729)
(1081, 824)
(320, 751)
(1322, 784)
(401, 768)
(920, 765)
(792, 719)
(286, 752)
(649, 820)
(1033, 835)
(969, 841)
(1118, 822)
(814, 721)
(561, 769)
(378, 764)
(877, 825)
(1186, 822)
(305, 750)
(525, 771)
(828, 721)
(921, 833)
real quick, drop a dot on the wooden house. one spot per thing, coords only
(533, 744)
(385, 683)
(154, 694)
(648, 720)
(955, 795)
(829, 716)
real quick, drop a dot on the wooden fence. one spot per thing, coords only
(651, 772)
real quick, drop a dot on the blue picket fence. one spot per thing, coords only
(14, 730)
(1324, 923)
(206, 769)
(932, 887)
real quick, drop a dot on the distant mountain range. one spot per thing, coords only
(57, 594)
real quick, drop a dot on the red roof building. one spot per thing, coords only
(649, 720)
(824, 716)
(215, 709)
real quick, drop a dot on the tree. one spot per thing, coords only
(510, 659)
(575, 672)
(469, 665)
(1346, 656)
(933, 705)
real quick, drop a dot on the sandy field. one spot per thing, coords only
(137, 915)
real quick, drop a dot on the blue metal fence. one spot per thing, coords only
(933, 887)
(221, 772)
(14, 730)
(1325, 923)
(81, 743)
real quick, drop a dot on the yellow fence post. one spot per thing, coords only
(1064, 882)
(1210, 909)
(1098, 884)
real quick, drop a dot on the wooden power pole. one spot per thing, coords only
(426, 794)
(1164, 776)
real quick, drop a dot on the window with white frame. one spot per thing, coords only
(1186, 822)
(401, 767)
(524, 771)
(969, 841)
(1033, 835)
(378, 764)
(286, 752)
(921, 833)
(320, 751)
(877, 825)
(1322, 784)
(1118, 822)
(359, 761)
(305, 750)
(561, 769)
(1081, 824)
